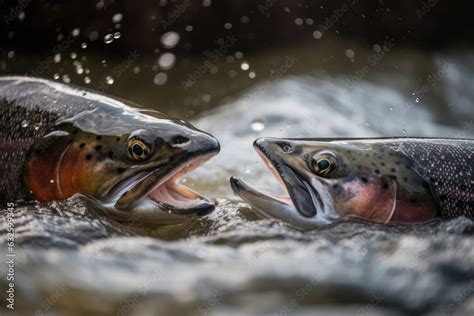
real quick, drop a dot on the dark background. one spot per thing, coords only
(266, 33)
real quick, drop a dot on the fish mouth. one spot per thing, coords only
(174, 197)
(159, 188)
(300, 206)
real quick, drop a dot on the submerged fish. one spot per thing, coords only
(57, 141)
(383, 180)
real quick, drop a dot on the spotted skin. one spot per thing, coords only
(381, 179)
(57, 140)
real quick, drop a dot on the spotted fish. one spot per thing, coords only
(57, 141)
(383, 180)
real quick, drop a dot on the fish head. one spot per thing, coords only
(131, 169)
(327, 181)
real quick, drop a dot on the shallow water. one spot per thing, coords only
(71, 259)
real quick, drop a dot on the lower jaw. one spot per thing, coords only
(269, 206)
(179, 199)
(150, 213)
(171, 197)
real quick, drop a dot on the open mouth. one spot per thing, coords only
(161, 187)
(300, 201)
(175, 197)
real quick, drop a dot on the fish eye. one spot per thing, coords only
(323, 164)
(138, 147)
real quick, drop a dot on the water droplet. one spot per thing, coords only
(136, 70)
(109, 80)
(166, 61)
(189, 28)
(299, 21)
(21, 16)
(245, 66)
(350, 53)
(84, 45)
(238, 55)
(309, 21)
(403, 131)
(57, 58)
(257, 126)
(117, 17)
(232, 73)
(252, 75)
(206, 3)
(244, 19)
(66, 78)
(108, 38)
(75, 32)
(391, 108)
(227, 26)
(56, 76)
(117, 35)
(377, 48)
(24, 123)
(73, 55)
(317, 34)
(87, 80)
(11, 54)
(417, 100)
(160, 78)
(170, 39)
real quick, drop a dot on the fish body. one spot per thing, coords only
(57, 141)
(383, 180)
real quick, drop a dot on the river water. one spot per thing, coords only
(73, 260)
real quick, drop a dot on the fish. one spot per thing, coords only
(59, 141)
(383, 180)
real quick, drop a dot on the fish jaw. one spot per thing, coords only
(307, 204)
(271, 206)
(159, 197)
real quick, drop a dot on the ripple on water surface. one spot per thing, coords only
(235, 261)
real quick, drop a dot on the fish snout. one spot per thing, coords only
(262, 143)
(274, 147)
(195, 142)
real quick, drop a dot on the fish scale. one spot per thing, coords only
(448, 165)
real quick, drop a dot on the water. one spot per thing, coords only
(71, 259)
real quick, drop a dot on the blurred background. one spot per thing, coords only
(188, 56)
(240, 70)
